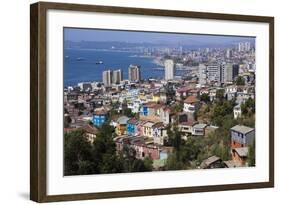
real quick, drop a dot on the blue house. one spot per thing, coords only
(144, 110)
(99, 117)
(242, 136)
(132, 126)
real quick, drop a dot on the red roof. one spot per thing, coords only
(191, 99)
(183, 89)
(90, 129)
(153, 105)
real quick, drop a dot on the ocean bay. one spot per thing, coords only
(83, 65)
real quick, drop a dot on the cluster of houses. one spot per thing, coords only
(242, 137)
(153, 104)
(147, 133)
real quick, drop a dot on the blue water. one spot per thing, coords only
(86, 70)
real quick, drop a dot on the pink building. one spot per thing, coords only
(143, 148)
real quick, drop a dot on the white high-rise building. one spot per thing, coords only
(117, 76)
(107, 77)
(169, 69)
(202, 74)
(214, 73)
(134, 73)
(228, 53)
(247, 46)
(240, 46)
(244, 46)
(226, 72)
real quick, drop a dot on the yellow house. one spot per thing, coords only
(147, 129)
(121, 127)
(156, 98)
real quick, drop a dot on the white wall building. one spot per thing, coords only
(107, 77)
(226, 73)
(237, 111)
(202, 74)
(214, 72)
(134, 73)
(169, 69)
(117, 76)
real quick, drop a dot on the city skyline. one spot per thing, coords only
(101, 35)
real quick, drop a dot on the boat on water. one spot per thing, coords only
(80, 59)
(99, 62)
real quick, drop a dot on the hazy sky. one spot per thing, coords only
(74, 34)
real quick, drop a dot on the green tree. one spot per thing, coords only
(240, 80)
(179, 106)
(77, 153)
(168, 140)
(252, 155)
(220, 95)
(174, 138)
(173, 163)
(81, 157)
(148, 164)
(205, 98)
(128, 112)
(248, 108)
(131, 164)
(221, 151)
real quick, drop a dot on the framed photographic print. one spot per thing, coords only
(135, 102)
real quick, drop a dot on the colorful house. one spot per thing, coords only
(140, 127)
(90, 132)
(156, 97)
(132, 126)
(121, 128)
(212, 163)
(182, 92)
(199, 129)
(191, 104)
(142, 147)
(240, 155)
(150, 111)
(144, 110)
(159, 133)
(147, 129)
(100, 117)
(242, 136)
(166, 114)
(186, 127)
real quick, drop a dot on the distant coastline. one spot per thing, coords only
(87, 70)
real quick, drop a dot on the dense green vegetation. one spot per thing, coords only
(190, 153)
(81, 157)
